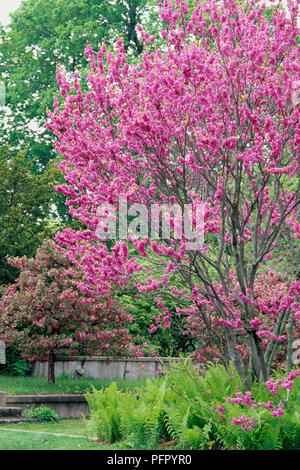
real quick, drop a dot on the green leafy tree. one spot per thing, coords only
(166, 342)
(25, 204)
(45, 34)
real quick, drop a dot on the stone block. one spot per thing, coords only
(2, 399)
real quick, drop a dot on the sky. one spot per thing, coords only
(6, 7)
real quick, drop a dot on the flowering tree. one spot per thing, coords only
(44, 313)
(211, 120)
(272, 300)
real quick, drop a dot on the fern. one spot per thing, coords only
(177, 407)
(194, 437)
(105, 407)
(269, 437)
(176, 423)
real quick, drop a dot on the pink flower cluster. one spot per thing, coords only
(287, 384)
(247, 424)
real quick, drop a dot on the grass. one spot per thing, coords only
(15, 439)
(10, 440)
(24, 436)
(76, 426)
(64, 385)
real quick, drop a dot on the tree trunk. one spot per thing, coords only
(259, 364)
(51, 370)
(236, 360)
(289, 333)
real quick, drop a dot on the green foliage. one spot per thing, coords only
(167, 342)
(105, 407)
(25, 201)
(116, 416)
(181, 407)
(143, 420)
(42, 414)
(15, 365)
(45, 34)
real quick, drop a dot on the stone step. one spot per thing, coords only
(10, 412)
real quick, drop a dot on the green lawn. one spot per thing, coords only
(11, 440)
(76, 426)
(36, 385)
(12, 437)
(25, 435)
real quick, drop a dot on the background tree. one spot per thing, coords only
(45, 34)
(25, 206)
(169, 342)
(208, 120)
(44, 313)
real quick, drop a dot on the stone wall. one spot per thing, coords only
(68, 406)
(103, 367)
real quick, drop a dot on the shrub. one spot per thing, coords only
(15, 365)
(42, 414)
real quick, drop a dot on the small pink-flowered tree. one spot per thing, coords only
(44, 313)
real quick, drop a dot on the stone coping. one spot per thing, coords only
(115, 359)
(49, 398)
